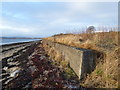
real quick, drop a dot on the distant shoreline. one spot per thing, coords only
(17, 38)
(16, 43)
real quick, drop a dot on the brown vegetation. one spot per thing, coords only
(105, 74)
(95, 41)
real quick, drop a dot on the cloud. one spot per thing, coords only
(44, 19)
(80, 7)
(94, 10)
(13, 28)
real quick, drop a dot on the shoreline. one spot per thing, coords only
(9, 49)
(26, 65)
(16, 43)
(13, 58)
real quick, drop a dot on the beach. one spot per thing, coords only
(13, 58)
(26, 65)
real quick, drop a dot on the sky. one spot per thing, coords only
(43, 19)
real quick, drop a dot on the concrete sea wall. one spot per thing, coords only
(80, 60)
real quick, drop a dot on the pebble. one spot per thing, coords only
(15, 73)
(5, 68)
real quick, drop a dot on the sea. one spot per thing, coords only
(10, 41)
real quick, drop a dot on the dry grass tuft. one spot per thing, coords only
(106, 74)
(95, 41)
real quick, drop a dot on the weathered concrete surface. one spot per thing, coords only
(80, 60)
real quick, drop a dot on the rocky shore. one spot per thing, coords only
(26, 65)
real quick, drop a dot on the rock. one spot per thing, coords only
(15, 73)
(42, 57)
(10, 60)
(10, 79)
(10, 70)
(71, 86)
(5, 68)
(27, 86)
(10, 66)
(45, 72)
(4, 75)
(32, 68)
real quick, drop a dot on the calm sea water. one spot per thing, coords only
(9, 41)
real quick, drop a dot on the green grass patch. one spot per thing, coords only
(99, 72)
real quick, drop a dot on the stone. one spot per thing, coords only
(15, 73)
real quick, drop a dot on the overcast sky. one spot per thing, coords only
(41, 19)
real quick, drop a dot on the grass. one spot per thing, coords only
(69, 73)
(99, 72)
(60, 61)
(105, 40)
(105, 74)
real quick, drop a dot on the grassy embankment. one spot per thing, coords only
(105, 74)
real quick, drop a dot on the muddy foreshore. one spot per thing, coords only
(26, 65)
